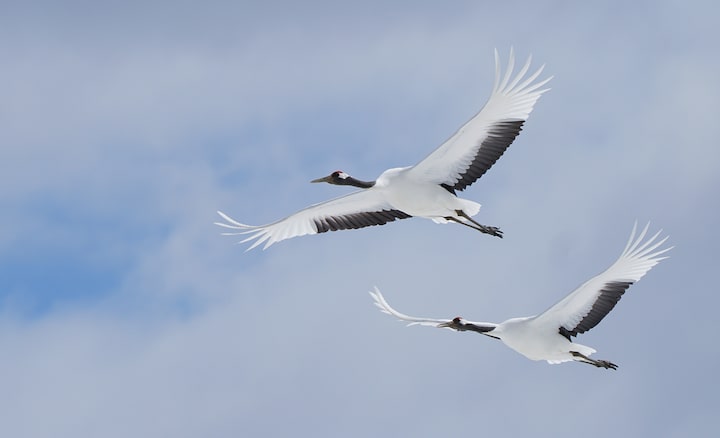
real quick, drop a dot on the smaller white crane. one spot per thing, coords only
(548, 336)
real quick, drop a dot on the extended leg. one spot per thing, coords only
(495, 231)
(456, 220)
(598, 363)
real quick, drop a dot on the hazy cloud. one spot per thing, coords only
(124, 128)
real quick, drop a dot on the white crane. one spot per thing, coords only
(428, 188)
(548, 336)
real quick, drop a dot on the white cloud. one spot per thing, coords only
(136, 139)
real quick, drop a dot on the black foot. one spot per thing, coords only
(493, 231)
(598, 363)
(605, 364)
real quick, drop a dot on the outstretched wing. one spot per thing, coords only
(475, 147)
(359, 209)
(384, 307)
(584, 308)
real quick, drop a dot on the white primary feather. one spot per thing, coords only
(634, 262)
(302, 222)
(384, 307)
(509, 101)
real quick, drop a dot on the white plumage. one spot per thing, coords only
(548, 336)
(428, 188)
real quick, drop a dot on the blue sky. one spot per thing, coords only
(123, 129)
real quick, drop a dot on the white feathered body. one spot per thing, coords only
(418, 197)
(538, 341)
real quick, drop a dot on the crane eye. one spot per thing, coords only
(457, 319)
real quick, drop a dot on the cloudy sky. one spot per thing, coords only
(125, 126)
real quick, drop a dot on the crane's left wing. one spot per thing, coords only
(452, 324)
(476, 146)
(359, 209)
(585, 307)
(384, 307)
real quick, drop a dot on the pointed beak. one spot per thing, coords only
(445, 324)
(323, 179)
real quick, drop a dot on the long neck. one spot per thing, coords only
(485, 329)
(350, 181)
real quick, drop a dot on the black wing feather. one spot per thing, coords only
(500, 137)
(357, 220)
(609, 296)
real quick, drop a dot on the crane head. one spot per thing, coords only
(456, 324)
(338, 177)
(341, 178)
(461, 325)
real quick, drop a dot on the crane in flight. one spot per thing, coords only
(427, 189)
(548, 336)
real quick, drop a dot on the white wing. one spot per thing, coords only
(359, 209)
(584, 308)
(475, 147)
(385, 308)
(412, 320)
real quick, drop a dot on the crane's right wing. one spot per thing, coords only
(359, 209)
(585, 307)
(478, 144)
(412, 320)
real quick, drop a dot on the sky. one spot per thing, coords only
(124, 127)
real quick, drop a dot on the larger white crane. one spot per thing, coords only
(428, 188)
(548, 336)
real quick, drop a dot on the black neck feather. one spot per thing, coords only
(477, 328)
(350, 181)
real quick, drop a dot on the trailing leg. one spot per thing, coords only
(598, 363)
(494, 231)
